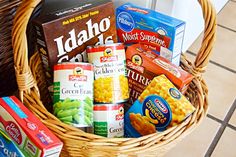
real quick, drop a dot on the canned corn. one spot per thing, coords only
(111, 83)
(73, 93)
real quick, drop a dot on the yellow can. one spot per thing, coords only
(111, 83)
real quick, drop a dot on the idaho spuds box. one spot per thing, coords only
(32, 137)
(64, 32)
(157, 31)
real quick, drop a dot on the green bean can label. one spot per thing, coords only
(73, 93)
(109, 120)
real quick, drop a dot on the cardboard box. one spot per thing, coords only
(144, 64)
(7, 147)
(32, 137)
(159, 107)
(65, 28)
(157, 31)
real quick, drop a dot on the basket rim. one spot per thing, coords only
(28, 91)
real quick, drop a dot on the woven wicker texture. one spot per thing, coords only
(7, 12)
(79, 143)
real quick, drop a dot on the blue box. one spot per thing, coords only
(8, 147)
(157, 31)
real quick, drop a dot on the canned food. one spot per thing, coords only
(73, 93)
(111, 83)
(109, 120)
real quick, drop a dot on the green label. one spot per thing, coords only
(56, 92)
(100, 128)
(76, 112)
(29, 149)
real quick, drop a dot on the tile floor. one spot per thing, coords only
(216, 136)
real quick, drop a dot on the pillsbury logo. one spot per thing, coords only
(125, 22)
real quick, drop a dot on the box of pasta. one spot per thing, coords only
(159, 107)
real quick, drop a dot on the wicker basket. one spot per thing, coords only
(7, 12)
(78, 143)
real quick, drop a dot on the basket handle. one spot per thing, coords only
(203, 55)
(24, 75)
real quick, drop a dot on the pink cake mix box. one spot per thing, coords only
(159, 32)
(32, 137)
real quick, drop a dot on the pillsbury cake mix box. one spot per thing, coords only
(159, 32)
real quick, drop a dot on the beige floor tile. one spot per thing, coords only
(226, 145)
(190, 57)
(197, 44)
(223, 51)
(197, 143)
(227, 16)
(233, 119)
(221, 84)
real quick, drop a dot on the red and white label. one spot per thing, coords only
(77, 78)
(144, 36)
(138, 10)
(161, 106)
(113, 116)
(14, 132)
(108, 59)
(134, 66)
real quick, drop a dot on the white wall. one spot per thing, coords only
(190, 12)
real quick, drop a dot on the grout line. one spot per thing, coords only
(220, 121)
(215, 63)
(219, 13)
(230, 29)
(191, 53)
(221, 130)
(223, 6)
(214, 118)
(215, 141)
(231, 127)
(222, 66)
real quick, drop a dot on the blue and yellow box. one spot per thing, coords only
(159, 107)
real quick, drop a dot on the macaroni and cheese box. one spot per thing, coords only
(159, 107)
(157, 31)
(143, 65)
(32, 137)
(8, 147)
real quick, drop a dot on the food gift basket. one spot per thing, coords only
(30, 81)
